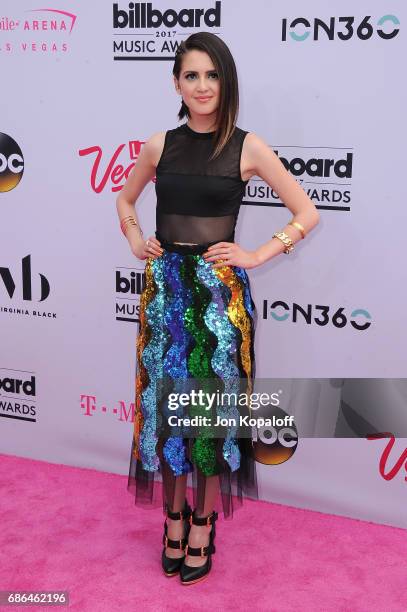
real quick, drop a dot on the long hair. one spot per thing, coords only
(224, 63)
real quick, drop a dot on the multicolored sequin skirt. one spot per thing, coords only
(197, 323)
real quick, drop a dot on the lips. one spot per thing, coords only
(203, 98)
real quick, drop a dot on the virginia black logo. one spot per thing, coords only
(10, 285)
(11, 163)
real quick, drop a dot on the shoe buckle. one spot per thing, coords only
(190, 519)
(202, 551)
(166, 541)
(180, 544)
(186, 549)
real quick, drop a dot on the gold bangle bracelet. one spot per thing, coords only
(124, 226)
(298, 226)
(286, 240)
(124, 229)
(129, 220)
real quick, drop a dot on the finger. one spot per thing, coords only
(154, 251)
(219, 249)
(154, 240)
(154, 246)
(219, 244)
(221, 254)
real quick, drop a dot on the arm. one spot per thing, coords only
(266, 164)
(142, 172)
(261, 161)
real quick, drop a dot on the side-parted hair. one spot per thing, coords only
(224, 63)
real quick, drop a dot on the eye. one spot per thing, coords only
(211, 75)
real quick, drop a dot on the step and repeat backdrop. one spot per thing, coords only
(84, 85)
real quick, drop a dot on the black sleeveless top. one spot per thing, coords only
(198, 201)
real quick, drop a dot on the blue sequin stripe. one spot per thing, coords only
(250, 308)
(217, 320)
(152, 360)
(175, 359)
(241, 272)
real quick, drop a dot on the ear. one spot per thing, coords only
(177, 89)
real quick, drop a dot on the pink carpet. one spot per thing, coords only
(77, 529)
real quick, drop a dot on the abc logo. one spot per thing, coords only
(11, 163)
(274, 444)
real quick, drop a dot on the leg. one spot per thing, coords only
(174, 488)
(208, 489)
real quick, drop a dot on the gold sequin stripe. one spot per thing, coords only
(238, 315)
(143, 339)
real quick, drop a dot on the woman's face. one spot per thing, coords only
(199, 79)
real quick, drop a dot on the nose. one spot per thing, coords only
(202, 85)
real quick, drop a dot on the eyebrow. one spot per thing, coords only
(195, 71)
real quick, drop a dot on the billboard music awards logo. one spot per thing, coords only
(317, 314)
(38, 30)
(142, 31)
(26, 286)
(18, 395)
(325, 177)
(11, 163)
(340, 28)
(129, 283)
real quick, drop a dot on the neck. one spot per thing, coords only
(200, 125)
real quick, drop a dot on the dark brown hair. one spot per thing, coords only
(225, 66)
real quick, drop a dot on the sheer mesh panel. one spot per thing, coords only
(198, 200)
(198, 230)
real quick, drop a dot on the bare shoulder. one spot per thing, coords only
(154, 147)
(254, 143)
(253, 147)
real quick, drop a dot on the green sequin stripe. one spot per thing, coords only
(199, 360)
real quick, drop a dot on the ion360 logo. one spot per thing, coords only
(342, 28)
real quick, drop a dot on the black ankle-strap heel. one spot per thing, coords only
(171, 567)
(189, 574)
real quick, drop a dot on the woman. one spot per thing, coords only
(197, 316)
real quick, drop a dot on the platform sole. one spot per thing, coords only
(196, 580)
